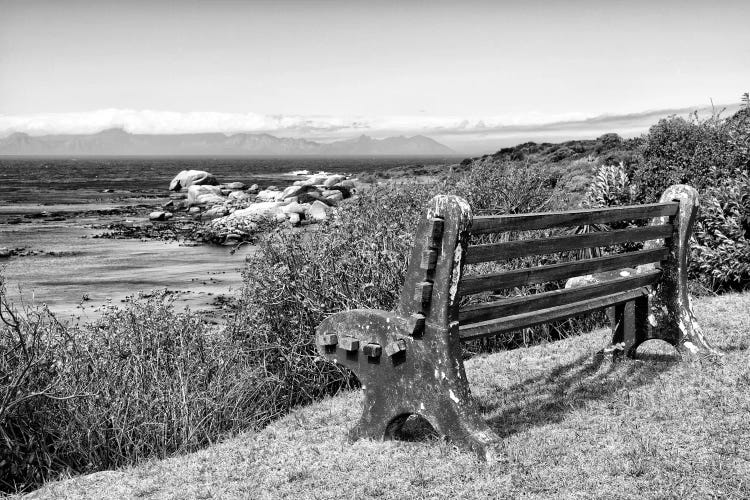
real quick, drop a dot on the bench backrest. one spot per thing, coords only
(444, 245)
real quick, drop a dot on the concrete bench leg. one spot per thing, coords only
(405, 375)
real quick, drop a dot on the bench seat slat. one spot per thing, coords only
(529, 303)
(515, 322)
(540, 246)
(554, 272)
(546, 220)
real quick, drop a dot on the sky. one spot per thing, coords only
(472, 74)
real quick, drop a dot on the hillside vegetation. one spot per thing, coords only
(573, 425)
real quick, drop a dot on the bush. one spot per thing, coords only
(144, 381)
(721, 257)
(696, 152)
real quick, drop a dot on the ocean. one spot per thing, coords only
(53, 209)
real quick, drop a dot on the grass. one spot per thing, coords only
(573, 426)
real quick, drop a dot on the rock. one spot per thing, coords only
(295, 208)
(239, 196)
(215, 212)
(294, 218)
(168, 205)
(291, 191)
(253, 189)
(199, 195)
(312, 196)
(268, 195)
(108, 190)
(188, 178)
(264, 209)
(348, 183)
(333, 196)
(272, 188)
(318, 211)
(314, 180)
(159, 216)
(4, 253)
(333, 180)
(194, 210)
(235, 186)
(345, 191)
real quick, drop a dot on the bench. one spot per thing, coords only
(409, 361)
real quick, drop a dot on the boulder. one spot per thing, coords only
(188, 178)
(348, 183)
(199, 195)
(269, 209)
(294, 218)
(235, 186)
(194, 210)
(314, 180)
(4, 253)
(159, 216)
(312, 196)
(291, 191)
(333, 180)
(318, 211)
(272, 188)
(345, 191)
(268, 195)
(215, 212)
(253, 189)
(333, 196)
(240, 196)
(295, 208)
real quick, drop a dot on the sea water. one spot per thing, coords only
(75, 274)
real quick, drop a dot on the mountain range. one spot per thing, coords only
(117, 142)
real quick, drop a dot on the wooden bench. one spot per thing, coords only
(409, 361)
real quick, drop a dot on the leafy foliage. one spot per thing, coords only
(721, 258)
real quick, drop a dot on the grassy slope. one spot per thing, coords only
(573, 426)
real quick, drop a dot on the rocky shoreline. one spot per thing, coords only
(201, 209)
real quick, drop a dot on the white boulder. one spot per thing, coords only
(188, 178)
(333, 180)
(159, 215)
(268, 195)
(199, 195)
(318, 211)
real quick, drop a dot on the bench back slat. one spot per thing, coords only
(540, 246)
(554, 272)
(529, 303)
(493, 327)
(546, 220)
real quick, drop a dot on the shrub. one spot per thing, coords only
(610, 186)
(694, 151)
(144, 381)
(721, 256)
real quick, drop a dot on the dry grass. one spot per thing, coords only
(573, 426)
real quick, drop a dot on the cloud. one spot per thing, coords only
(463, 133)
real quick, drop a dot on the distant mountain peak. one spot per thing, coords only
(116, 141)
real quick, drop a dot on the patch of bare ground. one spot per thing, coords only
(573, 426)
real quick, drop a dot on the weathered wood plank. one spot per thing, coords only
(545, 220)
(515, 322)
(540, 246)
(554, 272)
(529, 303)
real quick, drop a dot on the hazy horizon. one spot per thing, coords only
(474, 76)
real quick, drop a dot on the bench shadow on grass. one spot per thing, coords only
(548, 398)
